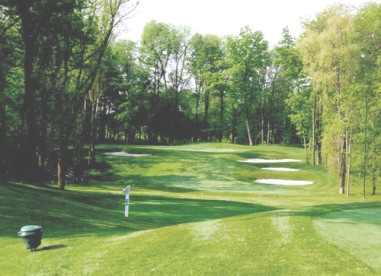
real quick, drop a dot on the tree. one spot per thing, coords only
(163, 53)
(176, 76)
(155, 54)
(367, 25)
(127, 95)
(103, 17)
(10, 85)
(207, 67)
(63, 47)
(330, 55)
(248, 58)
(297, 91)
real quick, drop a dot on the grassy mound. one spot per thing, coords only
(193, 210)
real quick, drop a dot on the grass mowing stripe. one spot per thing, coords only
(358, 233)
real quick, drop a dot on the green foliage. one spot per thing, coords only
(296, 90)
(208, 69)
(63, 45)
(331, 55)
(67, 82)
(300, 106)
(368, 37)
(125, 84)
(289, 59)
(248, 59)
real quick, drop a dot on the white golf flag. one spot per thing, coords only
(126, 191)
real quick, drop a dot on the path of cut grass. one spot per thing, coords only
(194, 210)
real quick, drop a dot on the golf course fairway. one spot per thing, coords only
(193, 210)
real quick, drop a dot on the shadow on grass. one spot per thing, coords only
(261, 154)
(164, 211)
(197, 183)
(167, 183)
(51, 247)
(83, 213)
(345, 211)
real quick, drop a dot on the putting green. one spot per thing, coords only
(358, 232)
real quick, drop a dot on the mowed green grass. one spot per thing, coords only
(193, 210)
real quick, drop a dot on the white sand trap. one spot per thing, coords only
(280, 169)
(122, 153)
(260, 160)
(284, 182)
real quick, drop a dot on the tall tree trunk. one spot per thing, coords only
(262, 129)
(314, 133)
(3, 121)
(318, 128)
(42, 144)
(79, 141)
(373, 183)
(93, 120)
(206, 114)
(131, 135)
(287, 128)
(342, 165)
(349, 142)
(61, 164)
(196, 128)
(102, 125)
(3, 138)
(248, 129)
(262, 122)
(305, 147)
(29, 145)
(342, 138)
(222, 110)
(234, 124)
(373, 175)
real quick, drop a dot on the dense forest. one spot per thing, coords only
(66, 81)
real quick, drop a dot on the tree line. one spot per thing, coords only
(65, 81)
(51, 58)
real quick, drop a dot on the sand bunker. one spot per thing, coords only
(280, 169)
(122, 153)
(259, 160)
(284, 182)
